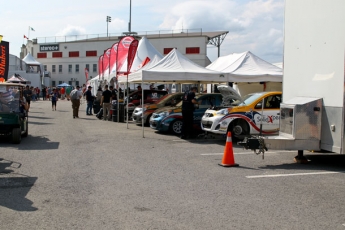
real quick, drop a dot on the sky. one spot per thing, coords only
(253, 25)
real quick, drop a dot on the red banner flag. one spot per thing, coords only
(100, 66)
(25, 37)
(106, 57)
(122, 51)
(113, 54)
(86, 74)
(131, 54)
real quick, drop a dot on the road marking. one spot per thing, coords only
(243, 153)
(292, 174)
(216, 154)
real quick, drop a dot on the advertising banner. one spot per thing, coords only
(4, 59)
(106, 58)
(113, 56)
(122, 51)
(100, 66)
(131, 54)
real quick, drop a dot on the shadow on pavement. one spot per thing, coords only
(315, 162)
(14, 187)
(30, 143)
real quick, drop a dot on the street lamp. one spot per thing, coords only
(108, 20)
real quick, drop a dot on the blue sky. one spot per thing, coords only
(255, 26)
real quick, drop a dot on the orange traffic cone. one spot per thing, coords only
(228, 158)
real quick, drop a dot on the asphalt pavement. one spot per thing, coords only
(91, 174)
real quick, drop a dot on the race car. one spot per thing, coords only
(257, 113)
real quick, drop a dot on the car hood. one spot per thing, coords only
(229, 94)
(166, 108)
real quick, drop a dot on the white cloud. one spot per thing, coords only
(71, 30)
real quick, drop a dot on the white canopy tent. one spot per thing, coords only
(138, 73)
(177, 68)
(247, 67)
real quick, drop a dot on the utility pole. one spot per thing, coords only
(108, 20)
(130, 16)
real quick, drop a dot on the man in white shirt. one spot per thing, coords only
(75, 95)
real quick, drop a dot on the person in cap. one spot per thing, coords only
(188, 113)
(75, 95)
(89, 101)
(106, 103)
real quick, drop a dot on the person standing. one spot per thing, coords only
(62, 91)
(105, 102)
(44, 92)
(188, 113)
(27, 94)
(76, 94)
(54, 98)
(68, 91)
(49, 92)
(89, 101)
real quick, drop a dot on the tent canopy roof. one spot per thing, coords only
(247, 67)
(30, 60)
(176, 68)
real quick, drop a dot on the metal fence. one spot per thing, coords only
(87, 37)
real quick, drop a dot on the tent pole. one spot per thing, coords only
(127, 95)
(142, 105)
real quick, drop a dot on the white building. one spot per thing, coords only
(66, 58)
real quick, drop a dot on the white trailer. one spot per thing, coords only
(312, 110)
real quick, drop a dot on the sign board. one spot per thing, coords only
(51, 47)
(4, 59)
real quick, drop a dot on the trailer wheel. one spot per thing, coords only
(16, 136)
(176, 127)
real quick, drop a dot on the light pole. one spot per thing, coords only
(108, 20)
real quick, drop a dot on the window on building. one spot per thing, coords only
(193, 50)
(41, 55)
(73, 54)
(94, 68)
(60, 82)
(87, 66)
(70, 68)
(53, 69)
(76, 82)
(60, 68)
(57, 54)
(77, 68)
(45, 67)
(91, 53)
(53, 84)
(70, 82)
(167, 50)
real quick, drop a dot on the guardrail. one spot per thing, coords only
(159, 33)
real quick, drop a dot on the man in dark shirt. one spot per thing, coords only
(106, 103)
(188, 112)
(89, 101)
(113, 93)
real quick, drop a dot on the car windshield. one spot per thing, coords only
(9, 99)
(250, 98)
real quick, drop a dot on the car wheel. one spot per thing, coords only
(238, 128)
(26, 129)
(16, 136)
(176, 127)
(147, 123)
